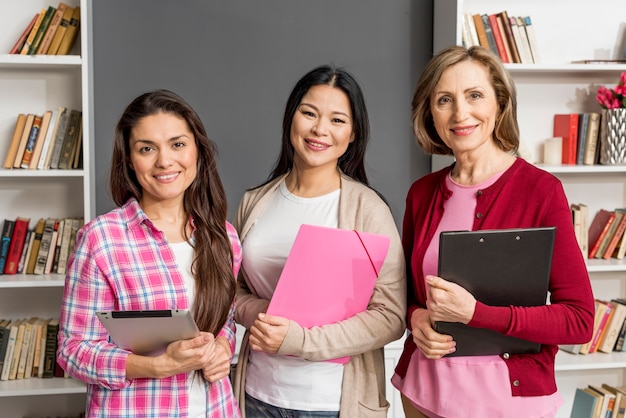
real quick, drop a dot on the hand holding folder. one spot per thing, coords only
(329, 276)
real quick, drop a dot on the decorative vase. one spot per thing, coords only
(613, 137)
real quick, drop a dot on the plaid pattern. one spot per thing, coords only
(122, 262)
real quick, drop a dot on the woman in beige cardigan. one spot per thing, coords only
(319, 178)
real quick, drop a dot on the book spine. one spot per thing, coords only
(20, 229)
(32, 141)
(45, 22)
(592, 138)
(493, 20)
(489, 32)
(52, 330)
(44, 246)
(5, 242)
(17, 48)
(605, 230)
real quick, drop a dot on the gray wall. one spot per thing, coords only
(236, 61)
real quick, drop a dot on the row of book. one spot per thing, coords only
(28, 348)
(52, 31)
(52, 140)
(512, 38)
(605, 236)
(609, 329)
(575, 141)
(603, 401)
(42, 250)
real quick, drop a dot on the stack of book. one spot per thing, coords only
(51, 140)
(603, 401)
(43, 250)
(51, 31)
(28, 348)
(511, 38)
(579, 133)
(609, 330)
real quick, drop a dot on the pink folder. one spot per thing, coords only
(329, 276)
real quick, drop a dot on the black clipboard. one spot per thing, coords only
(505, 267)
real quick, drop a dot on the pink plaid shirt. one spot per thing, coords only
(122, 262)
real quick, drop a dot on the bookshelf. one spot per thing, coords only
(566, 31)
(34, 84)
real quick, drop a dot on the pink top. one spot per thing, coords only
(440, 388)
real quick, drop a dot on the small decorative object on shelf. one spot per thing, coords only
(613, 123)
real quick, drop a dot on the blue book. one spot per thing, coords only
(5, 241)
(584, 404)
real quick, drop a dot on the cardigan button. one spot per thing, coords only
(479, 193)
(479, 215)
(516, 383)
(506, 356)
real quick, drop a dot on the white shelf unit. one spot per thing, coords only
(34, 84)
(566, 31)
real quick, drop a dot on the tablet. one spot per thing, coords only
(148, 332)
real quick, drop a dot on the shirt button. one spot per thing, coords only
(516, 383)
(506, 356)
(479, 215)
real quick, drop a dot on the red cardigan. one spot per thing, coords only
(524, 196)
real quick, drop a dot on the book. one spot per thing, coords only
(489, 32)
(608, 401)
(8, 357)
(584, 227)
(28, 245)
(591, 142)
(20, 229)
(46, 152)
(57, 144)
(19, 342)
(613, 327)
(46, 120)
(32, 260)
(70, 140)
(524, 38)
(71, 33)
(31, 142)
(41, 31)
(60, 32)
(52, 329)
(469, 35)
(532, 39)
(495, 28)
(44, 246)
(5, 329)
(52, 27)
(577, 222)
(566, 127)
(507, 31)
(600, 309)
(33, 32)
(521, 50)
(480, 31)
(40, 358)
(77, 153)
(583, 124)
(15, 141)
(599, 229)
(620, 222)
(5, 242)
(620, 250)
(19, 44)
(606, 239)
(64, 250)
(602, 326)
(26, 340)
(35, 339)
(584, 404)
(28, 124)
(620, 400)
(52, 248)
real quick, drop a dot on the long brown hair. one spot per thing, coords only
(204, 203)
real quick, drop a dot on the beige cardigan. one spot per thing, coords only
(364, 335)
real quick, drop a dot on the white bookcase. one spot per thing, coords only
(34, 84)
(566, 30)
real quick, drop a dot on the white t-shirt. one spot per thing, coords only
(183, 252)
(287, 381)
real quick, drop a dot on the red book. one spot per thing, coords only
(566, 127)
(598, 229)
(602, 327)
(17, 244)
(17, 48)
(499, 37)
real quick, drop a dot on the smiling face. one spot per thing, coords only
(163, 154)
(465, 107)
(321, 128)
